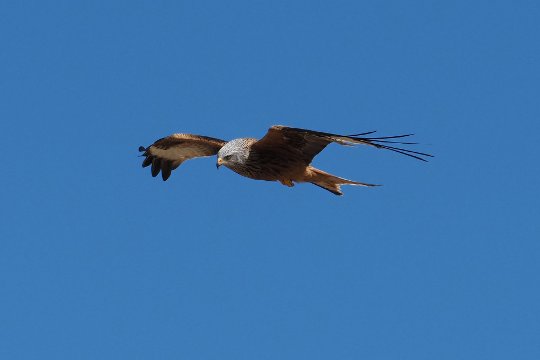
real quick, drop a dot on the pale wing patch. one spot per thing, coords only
(177, 152)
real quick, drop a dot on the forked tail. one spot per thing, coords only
(330, 182)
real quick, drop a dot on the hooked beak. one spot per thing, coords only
(219, 162)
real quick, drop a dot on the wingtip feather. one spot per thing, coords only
(147, 161)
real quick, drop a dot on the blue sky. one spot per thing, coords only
(100, 260)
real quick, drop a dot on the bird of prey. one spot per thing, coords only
(284, 154)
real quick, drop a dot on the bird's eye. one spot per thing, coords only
(227, 158)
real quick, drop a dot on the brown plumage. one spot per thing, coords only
(170, 152)
(284, 154)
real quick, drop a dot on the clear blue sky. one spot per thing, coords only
(98, 260)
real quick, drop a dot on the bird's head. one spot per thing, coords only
(233, 153)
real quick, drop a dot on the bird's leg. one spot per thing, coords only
(287, 182)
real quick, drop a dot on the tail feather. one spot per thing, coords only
(331, 182)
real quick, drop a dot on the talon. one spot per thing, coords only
(288, 183)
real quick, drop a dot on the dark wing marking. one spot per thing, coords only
(168, 153)
(308, 143)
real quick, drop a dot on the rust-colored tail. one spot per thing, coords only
(330, 182)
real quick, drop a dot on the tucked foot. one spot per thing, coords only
(288, 183)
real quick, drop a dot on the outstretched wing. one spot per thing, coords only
(168, 153)
(308, 143)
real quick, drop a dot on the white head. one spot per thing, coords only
(234, 153)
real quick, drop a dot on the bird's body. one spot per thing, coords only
(270, 165)
(284, 154)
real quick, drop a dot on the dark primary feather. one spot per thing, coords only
(155, 166)
(309, 143)
(380, 141)
(165, 169)
(147, 161)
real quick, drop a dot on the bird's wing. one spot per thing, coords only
(308, 143)
(168, 153)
